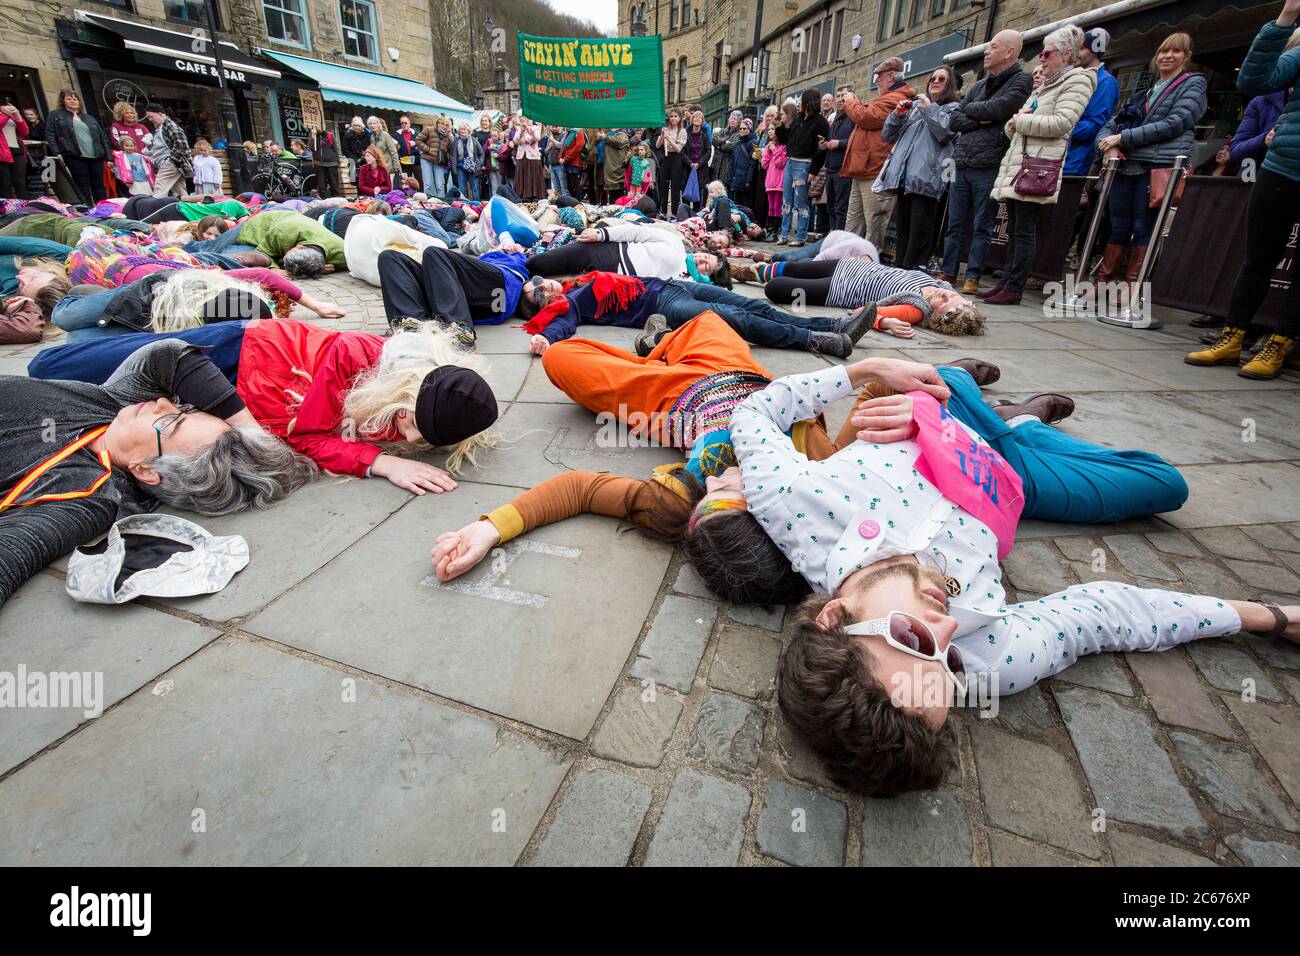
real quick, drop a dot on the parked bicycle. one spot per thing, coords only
(277, 176)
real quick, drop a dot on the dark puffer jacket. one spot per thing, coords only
(981, 115)
(1167, 129)
(1266, 70)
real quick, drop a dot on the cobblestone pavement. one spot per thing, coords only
(584, 700)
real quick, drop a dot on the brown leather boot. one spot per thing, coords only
(1135, 256)
(1111, 262)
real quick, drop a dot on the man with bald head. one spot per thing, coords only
(979, 119)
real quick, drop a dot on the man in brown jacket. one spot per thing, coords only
(867, 151)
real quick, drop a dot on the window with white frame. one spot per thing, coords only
(360, 36)
(672, 81)
(681, 78)
(286, 21)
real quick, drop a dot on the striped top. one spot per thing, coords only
(858, 281)
(707, 405)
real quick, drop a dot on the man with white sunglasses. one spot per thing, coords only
(900, 534)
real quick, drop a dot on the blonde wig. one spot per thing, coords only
(179, 300)
(393, 384)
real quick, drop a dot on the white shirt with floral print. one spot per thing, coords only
(868, 502)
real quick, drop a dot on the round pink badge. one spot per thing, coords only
(869, 529)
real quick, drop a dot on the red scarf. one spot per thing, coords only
(613, 292)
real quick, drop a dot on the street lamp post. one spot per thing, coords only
(489, 25)
(229, 118)
(473, 54)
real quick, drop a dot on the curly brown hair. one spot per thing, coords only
(828, 695)
(966, 319)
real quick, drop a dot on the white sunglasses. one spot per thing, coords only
(913, 637)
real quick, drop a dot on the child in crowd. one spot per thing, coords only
(641, 175)
(133, 169)
(207, 171)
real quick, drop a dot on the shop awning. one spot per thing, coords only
(343, 84)
(186, 52)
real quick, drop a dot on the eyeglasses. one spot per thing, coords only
(914, 638)
(169, 421)
(1048, 53)
(537, 290)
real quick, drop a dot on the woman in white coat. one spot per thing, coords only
(1041, 131)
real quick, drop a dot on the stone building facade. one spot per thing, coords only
(45, 47)
(827, 43)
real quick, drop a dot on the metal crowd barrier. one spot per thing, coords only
(1137, 313)
(1075, 302)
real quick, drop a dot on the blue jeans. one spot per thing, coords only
(801, 254)
(1066, 478)
(795, 209)
(973, 187)
(74, 312)
(1131, 218)
(754, 320)
(224, 243)
(434, 178)
(431, 227)
(95, 359)
(467, 183)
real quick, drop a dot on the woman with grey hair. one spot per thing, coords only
(725, 141)
(78, 457)
(384, 142)
(1030, 175)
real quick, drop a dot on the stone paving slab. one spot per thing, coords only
(112, 650)
(701, 824)
(264, 751)
(293, 538)
(672, 650)
(728, 733)
(598, 822)
(1230, 781)
(916, 829)
(1237, 494)
(1175, 694)
(540, 440)
(1031, 790)
(1133, 849)
(1026, 371)
(1187, 436)
(638, 726)
(802, 827)
(1130, 776)
(1167, 370)
(525, 643)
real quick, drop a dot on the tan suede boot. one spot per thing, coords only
(1226, 350)
(1268, 361)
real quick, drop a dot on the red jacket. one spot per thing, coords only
(293, 376)
(20, 124)
(368, 177)
(573, 155)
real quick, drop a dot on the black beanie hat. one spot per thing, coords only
(646, 206)
(454, 403)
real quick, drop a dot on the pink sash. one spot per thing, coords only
(970, 475)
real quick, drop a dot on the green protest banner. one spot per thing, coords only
(601, 82)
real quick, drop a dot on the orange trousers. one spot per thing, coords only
(605, 379)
